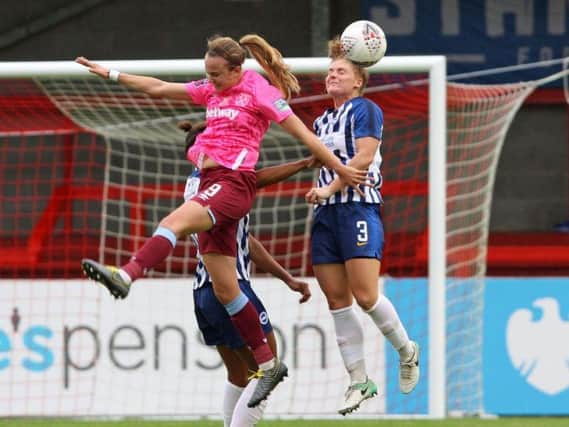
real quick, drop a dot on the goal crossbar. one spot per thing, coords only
(184, 67)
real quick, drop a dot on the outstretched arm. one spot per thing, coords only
(149, 85)
(263, 259)
(351, 176)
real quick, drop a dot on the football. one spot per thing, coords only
(363, 43)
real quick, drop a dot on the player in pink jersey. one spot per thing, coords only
(240, 105)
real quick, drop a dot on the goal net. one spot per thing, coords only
(90, 168)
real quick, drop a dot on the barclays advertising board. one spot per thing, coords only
(476, 34)
(526, 346)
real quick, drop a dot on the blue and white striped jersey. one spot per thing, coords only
(338, 130)
(242, 241)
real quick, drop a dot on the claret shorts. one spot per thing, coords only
(229, 195)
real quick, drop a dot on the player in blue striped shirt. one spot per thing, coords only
(212, 317)
(347, 233)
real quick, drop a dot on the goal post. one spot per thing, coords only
(437, 237)
(123, 170)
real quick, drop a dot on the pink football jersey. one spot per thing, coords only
(237, 119)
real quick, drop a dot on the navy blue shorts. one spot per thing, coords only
(346, 230)
(214, 321)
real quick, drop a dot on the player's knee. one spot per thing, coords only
(338, 300)
(173, 225)
(226, 293)
(365, 300)
(237, 379)
(237, 374)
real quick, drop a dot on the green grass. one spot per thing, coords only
(348, 422)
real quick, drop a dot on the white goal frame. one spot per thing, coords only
(435, 67)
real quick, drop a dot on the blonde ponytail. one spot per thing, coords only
(271, 60)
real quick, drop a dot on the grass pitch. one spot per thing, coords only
(470, 422)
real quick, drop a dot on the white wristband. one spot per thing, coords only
(114, 75)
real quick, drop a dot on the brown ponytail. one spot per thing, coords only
(271, 60)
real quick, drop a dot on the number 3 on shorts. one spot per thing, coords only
(362, 233)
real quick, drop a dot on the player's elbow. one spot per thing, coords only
(155, 92)
(365, 161)
(158, 90)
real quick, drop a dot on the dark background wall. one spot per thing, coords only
(532, 183)
(531, 191)
(137, 29)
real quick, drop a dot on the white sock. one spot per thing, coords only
(124, 275)
(387, 320)
(350, 339)
(268, 365)
(243, 416)
(231, 394)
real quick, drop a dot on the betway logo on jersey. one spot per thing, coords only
(215, 113)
